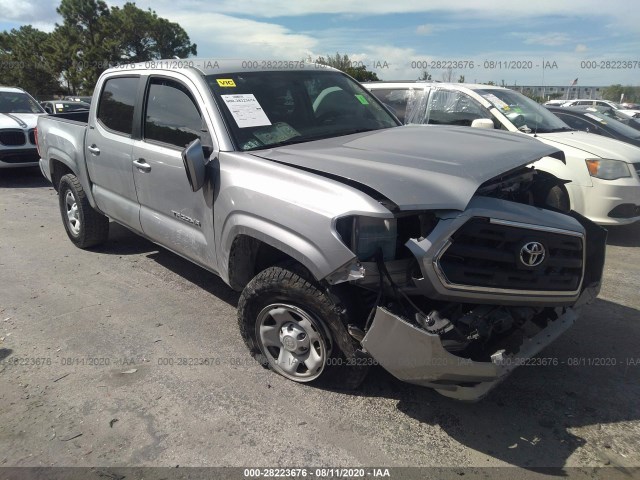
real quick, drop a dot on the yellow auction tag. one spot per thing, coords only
(226, 82)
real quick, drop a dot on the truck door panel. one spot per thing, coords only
(172, 214)
(108, 151)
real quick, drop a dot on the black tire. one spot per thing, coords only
(558, 198)
(88, 227)
(292, 290)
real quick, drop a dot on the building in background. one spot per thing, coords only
(549, 92)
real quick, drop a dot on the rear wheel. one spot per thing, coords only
(292, 326)
(85, 226)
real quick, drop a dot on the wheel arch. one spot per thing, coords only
(248, 256)
(278, 243)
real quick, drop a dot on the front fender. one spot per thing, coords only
(320, 261)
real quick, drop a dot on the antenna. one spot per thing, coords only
(535, 130)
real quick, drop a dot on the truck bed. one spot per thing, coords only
(61, 143)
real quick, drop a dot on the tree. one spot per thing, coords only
(614, 92)
(92, 37)
(24, 61)
(461, 79)
(353, 68)
(145, 36)
(425, 76)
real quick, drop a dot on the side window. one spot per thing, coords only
(171, 114)
(395, 98)
(115, 110)
(577, 123)
(450, 107)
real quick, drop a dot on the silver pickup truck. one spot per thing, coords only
(354, 240)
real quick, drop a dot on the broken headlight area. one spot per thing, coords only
(374, 240)
(366, 236)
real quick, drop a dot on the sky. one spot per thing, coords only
(506, 41)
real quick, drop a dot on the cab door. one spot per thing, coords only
(108, 150)
(171, 214)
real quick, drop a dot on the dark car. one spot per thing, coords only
(597, 122)
(54, 107)
(611, 113)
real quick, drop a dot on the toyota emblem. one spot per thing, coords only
(532, 254)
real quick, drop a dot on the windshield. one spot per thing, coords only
(614, 124)
(17, 102)
(525, 114)
(267, 109)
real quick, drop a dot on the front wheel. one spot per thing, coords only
(557, 197)
(85, 226)
(294, 328)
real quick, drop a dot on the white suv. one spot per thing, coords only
(630, 112)
(603, 174)
(19, 114)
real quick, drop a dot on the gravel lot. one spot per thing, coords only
(92, 372)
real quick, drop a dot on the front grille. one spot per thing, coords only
(32, 137)
(488, 255)
(12, 138)
(637, 167)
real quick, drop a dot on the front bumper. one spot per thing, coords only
(603, 198)
(18, 157)
(416, 356)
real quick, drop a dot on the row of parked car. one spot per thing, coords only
(602, 171)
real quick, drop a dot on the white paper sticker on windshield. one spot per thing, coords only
(597, 119)
(59, 105)
(246, 110)
(496, 101)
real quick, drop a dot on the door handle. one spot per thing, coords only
(93, 149)
(142, 165)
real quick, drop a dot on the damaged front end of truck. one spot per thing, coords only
(470, 271)
(457, 300)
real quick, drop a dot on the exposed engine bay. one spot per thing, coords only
(471, 331)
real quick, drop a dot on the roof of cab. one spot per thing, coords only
(11, 89)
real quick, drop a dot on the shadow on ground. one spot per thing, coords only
(30, 177)
(527, 420)
(624, 236)
(123, 241)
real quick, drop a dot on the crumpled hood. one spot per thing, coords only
(596, 145)
(417, 167)
(22, 121)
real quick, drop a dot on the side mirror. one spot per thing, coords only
(482, 123)
(194, 164)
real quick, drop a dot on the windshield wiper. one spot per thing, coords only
(561, 129)
(291, 141)
(311, 138)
